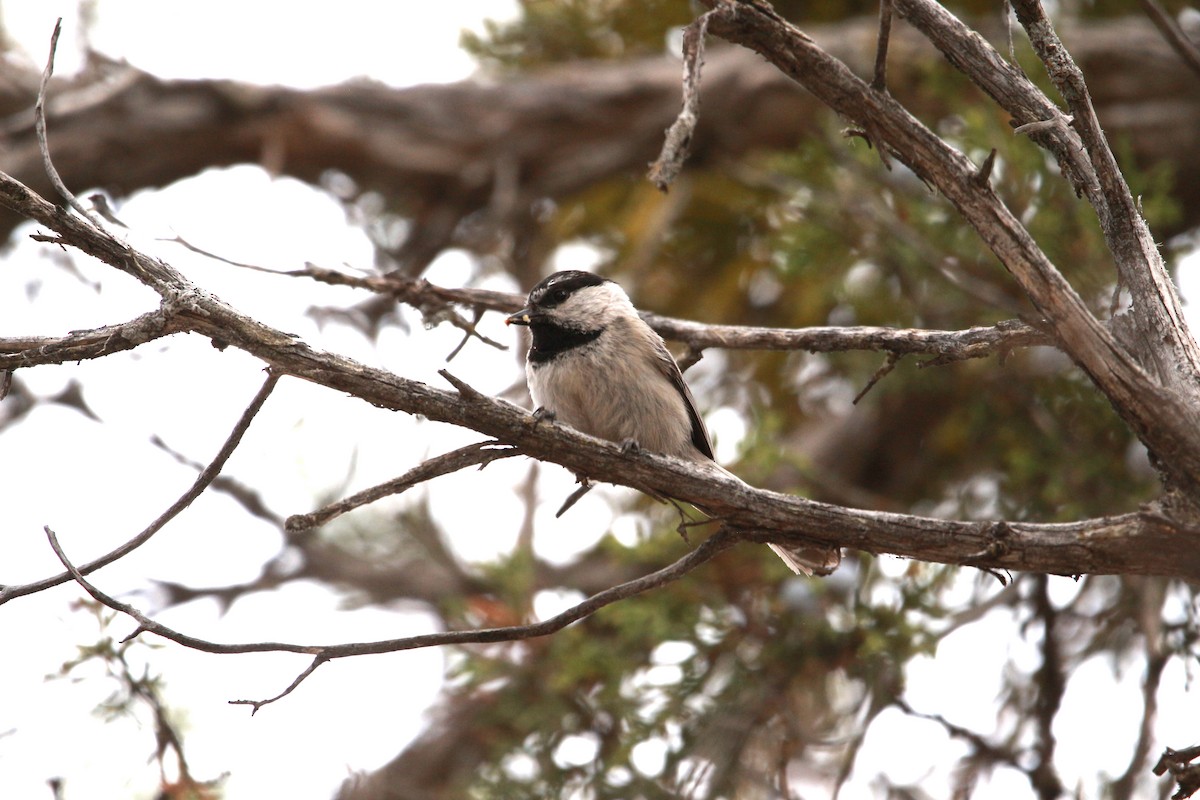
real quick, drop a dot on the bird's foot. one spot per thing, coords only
(630, 447)
(543, 414)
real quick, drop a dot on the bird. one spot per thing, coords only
(595, 365)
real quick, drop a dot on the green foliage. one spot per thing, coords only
(551, 31)
(136, 693)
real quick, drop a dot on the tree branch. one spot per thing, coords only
(715, 544)
(39, 122)
(1164, 344)
(1166, 417)
(945, 346)
(93, 343)
(1078, 144)
(1142, 543)
(480, 453)
(1173, 34)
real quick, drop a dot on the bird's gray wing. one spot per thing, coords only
(813, 560)
(670, 370)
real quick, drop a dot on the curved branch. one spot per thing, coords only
(715, 544)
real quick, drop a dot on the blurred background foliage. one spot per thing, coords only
(740, 678)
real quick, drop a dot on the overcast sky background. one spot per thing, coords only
(97, 484)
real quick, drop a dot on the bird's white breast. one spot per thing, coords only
(613, 389)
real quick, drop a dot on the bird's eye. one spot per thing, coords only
(556, 296)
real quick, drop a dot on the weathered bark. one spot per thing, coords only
(441, 153)
(1137, 543)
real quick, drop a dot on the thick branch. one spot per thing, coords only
(1135, 543)
(1165, 418)
(1083, 154)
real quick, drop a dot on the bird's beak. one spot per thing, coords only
(522, 317)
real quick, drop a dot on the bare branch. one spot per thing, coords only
(1162, 409)
(1076, 140)
(879, 82)
(884, 369)
(185, 244)
(1144, 543)
(715, 544)
(92, 343)
(946, 346)
(202, 482)
(1173, 34)
(39, 118)
(255, 705)
(678, 139)
(480, 453)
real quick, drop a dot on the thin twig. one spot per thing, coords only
(678, 139)
(39, 124)
(481, 453)
(1174, 35)
(948, 346)
(201, 483)
(1007, 11)
(887, 366)
(715, 544)
(255, 705)
(184, 243)
(879, 82)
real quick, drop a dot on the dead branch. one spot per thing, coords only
(1173, 34)
(1138, 543)
(714, 545)
(39, 121)
(945, 346)
(84, 344)
(677, 141)
(479, 454)
(1164, 413)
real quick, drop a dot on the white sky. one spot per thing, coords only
(353, 714)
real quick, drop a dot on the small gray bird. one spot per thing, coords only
(596, 366)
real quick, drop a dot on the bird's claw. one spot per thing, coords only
(630, 447)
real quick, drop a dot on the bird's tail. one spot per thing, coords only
(809, 560)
